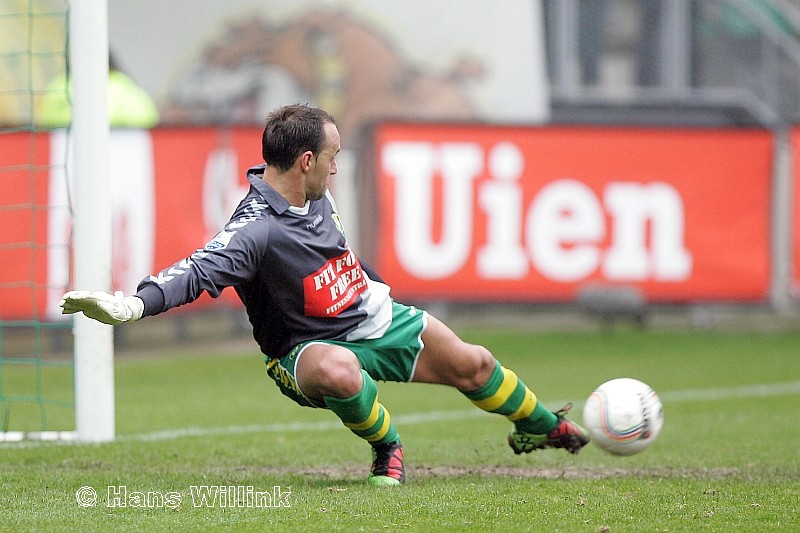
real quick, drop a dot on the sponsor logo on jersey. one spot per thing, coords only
(335, 286)
(315, 223)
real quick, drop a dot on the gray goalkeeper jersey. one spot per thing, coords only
(291, 267)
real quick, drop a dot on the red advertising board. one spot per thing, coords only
(24, 171)
(533, 214)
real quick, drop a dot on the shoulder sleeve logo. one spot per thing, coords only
(220, 241)
(337, 221)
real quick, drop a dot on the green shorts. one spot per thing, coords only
(392, 357)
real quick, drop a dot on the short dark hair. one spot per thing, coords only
(292, 130)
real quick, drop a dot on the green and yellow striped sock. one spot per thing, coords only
(363, 415)
(507, 395)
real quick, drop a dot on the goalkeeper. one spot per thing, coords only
(325, 321)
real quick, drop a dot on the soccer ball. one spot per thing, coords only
(623, 416)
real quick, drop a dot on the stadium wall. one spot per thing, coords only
(460, 212)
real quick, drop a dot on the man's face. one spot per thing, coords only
(323, 166)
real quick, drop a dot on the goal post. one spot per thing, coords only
(93, 341)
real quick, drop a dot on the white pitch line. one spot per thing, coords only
(692, 395)
(726, 393)
(297, 427)
(689, 395)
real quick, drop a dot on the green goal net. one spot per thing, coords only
(36, 361)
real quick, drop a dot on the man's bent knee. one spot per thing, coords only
(328, 370)
(476, 369)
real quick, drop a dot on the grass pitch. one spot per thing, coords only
(726, 458)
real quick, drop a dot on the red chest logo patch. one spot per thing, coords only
(332, 288)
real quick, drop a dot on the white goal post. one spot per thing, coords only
(94, 342)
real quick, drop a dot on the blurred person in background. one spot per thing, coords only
(129, 106)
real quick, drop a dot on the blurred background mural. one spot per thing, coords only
(522, 61)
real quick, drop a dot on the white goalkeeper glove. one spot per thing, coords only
(103, 307)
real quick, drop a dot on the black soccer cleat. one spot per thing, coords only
(566, 434)
(387, 465)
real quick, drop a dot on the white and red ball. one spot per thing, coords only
(623, 416)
